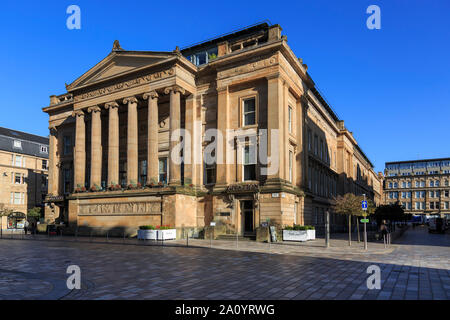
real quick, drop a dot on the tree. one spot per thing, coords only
(4, 211)
(392, 212)
(350, 205)
(347, 205)
(34, 213)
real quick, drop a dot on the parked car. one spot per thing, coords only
(437, 225)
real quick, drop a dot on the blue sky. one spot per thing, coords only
(391, 86)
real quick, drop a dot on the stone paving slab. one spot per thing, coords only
(415, 267)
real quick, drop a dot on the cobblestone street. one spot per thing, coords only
(417, 266)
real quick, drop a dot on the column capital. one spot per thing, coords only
(222, 89)
(53, 128)
(151, 94)
(94, 109)
(111, 105)
(78, 113)
(175, 89)
(131, 99)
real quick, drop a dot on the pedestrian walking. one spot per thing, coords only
(384, 231)
(25, 226)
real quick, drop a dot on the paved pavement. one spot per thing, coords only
(417, 266)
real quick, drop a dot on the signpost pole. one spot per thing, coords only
(365, 229)
(327, 229)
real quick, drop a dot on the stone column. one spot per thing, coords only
(80, 149)
(96, 146)
(132, 141)
(152, 137)
(53, 177)
(175, 124)
(113, 143)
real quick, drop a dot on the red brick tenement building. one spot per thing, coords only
(114, 160)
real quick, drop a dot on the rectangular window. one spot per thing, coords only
(67, 145)
(17, 144)
(18, 161)
(446, 193)
(249, 111)
(17, 178)
(210, 170)
(309, 140)
(44, 165)
(290, 119)
(316, 145)
(67, 180)
(44, 149)
(249, 163)
(431, 205)
(143, 172)
(446, 205)
(290, 165)
(17, 198)
(163, 170)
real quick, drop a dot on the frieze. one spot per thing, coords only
(120, 208)
(125, 85)
(256, 65)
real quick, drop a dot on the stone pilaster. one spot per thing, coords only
(53, 159)
(193, 152)
(80, 149)
(113, 143)
(152, 137)
(302, 111)
(223, 123)
(96, 146)
(132, 141)
(175, 123)
(275, 121)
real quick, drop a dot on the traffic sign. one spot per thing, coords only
(364, 220)
(364, 205)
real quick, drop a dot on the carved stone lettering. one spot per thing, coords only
(123, 208)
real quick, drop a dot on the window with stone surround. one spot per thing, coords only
(67, 145)
(290, 119)
(249, 163)
(249, 111)
(163, 170)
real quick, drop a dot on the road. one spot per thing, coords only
(418, 267)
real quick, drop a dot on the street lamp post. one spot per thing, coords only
(365, 229)
(327, 229)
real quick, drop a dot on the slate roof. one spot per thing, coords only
(30, 143)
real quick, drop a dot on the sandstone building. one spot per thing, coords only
(420, 186)
(23, 174)
(114, 136)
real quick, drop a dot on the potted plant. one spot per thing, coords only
(299, 233)
(311, 232)
(148, 232)
(165, 232)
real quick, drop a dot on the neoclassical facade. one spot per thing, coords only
(420, 186)
(131, 139)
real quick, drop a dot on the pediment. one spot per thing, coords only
(119, 63)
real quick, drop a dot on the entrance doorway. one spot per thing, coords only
(248, 216)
